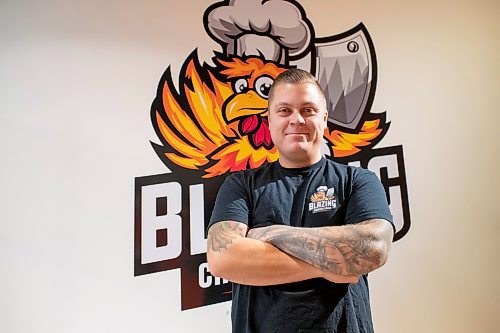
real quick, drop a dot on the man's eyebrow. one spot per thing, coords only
(312, 104)
(283, 104)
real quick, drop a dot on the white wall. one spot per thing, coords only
(76, 83)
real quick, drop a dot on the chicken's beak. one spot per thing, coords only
(246, 104)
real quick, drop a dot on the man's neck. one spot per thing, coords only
(294, 164)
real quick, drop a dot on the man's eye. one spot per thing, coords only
(308, 111)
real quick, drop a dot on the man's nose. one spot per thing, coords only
(297, 119)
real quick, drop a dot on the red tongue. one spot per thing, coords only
(249, 124)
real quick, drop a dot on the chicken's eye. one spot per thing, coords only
(240, 86)
(263, 85)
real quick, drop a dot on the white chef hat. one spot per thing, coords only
(275, 29)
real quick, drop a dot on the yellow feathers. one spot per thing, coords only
(195, 135)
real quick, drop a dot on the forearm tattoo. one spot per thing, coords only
(345, 250)
(222, 234)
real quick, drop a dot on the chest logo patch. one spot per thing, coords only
(322, 200)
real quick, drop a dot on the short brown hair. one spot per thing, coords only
(294, 76)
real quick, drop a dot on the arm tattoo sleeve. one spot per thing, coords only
(345, 250)
(222, 234)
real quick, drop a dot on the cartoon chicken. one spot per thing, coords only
(216, 122)
(251, 82)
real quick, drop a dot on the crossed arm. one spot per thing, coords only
(282, 254)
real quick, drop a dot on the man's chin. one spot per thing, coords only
(297, 147)
(295, 151)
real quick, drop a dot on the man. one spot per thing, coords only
(298, 236)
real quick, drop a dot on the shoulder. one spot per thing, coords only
(249, 178)
(342, 171)
(364, 175)
(352, 170)
(251, 174)
(351, 177)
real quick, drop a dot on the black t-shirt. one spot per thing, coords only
(324, 194)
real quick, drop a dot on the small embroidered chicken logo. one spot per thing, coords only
(322, 200)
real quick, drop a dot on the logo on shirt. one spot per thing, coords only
(322, 200)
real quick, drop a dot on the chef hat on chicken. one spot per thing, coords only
(275, 29)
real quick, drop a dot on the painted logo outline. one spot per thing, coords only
(199, 288)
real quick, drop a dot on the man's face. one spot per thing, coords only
(297, 121)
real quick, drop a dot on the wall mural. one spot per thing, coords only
(216, 123)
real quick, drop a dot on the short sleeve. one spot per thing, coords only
(367, 199)
(232, 202)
